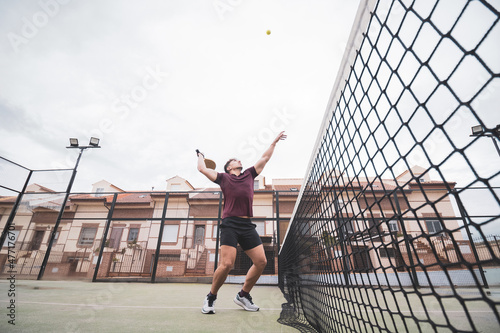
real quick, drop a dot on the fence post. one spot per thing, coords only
(160, 235)
(59, 217)
(342, 236)
(464, 217)
(104, 236)
(278, 240)
(444, 248)
(14, 211)
(217, 240)
(413, 271)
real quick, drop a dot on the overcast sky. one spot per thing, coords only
(155, 80)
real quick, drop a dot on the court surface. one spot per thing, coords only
(80, 306)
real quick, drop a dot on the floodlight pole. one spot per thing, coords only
(496, 144)
(61, 211)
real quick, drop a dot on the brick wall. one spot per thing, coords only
(170, 268)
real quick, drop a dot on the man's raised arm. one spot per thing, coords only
(261, 163)
(209, 173)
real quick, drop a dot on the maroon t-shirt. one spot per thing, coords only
(238, 192)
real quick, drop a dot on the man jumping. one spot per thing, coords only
(237, 227)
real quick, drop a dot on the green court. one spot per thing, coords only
(80, 306)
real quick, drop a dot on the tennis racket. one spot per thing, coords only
(208, 162)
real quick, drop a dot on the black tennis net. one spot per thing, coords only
(396, 226)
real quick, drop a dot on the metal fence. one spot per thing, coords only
(145, 236)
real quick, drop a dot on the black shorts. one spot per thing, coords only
(234, 230)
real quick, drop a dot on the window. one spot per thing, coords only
(56, 237)
(36, 242)
(87, 236)
(175, 187)
(261, 228)
(305, 228)
(133, 234)
(214, 231)
(386, 253)
(9, 239)
(256, 184)
(169, 257)
(433, 227)
(347, 226)
(99, 191)
(393, 225)
(170, 232)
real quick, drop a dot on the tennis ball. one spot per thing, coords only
(268, 32)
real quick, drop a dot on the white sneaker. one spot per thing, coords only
(246, 302)
(208, 305)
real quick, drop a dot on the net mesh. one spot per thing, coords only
(396, 225)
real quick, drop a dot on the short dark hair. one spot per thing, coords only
(227, 164)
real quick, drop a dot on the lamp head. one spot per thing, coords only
(477, 130)
(94, 142)
(73, 142)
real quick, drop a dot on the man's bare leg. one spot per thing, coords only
(258, 257)
(226, 264)
(259, 260)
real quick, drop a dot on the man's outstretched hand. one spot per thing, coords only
(281, 136)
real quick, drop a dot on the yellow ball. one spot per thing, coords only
(268, 32)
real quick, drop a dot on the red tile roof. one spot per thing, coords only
(8, 199)
(121, 197)
(208, 193)
(290, 190)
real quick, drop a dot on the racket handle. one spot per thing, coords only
(198, 152)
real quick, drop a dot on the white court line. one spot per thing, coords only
(192, 307)
(130, 306)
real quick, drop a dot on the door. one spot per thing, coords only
(115, 238)
(37, 240)
(362, 261)
(199, 235)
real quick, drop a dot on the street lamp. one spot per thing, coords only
(73, 143)
(494, 134)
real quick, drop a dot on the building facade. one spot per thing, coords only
(110, 233)
(113, 234)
